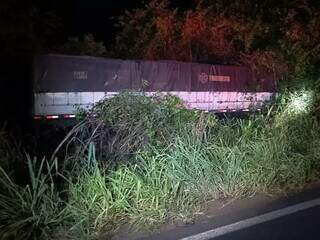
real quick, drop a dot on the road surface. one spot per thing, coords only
(292, 217)
(302, 225)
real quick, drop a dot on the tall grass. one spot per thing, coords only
(34, 210)
(139, 193)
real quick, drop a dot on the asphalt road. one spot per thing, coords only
(293, 217)
(302, 225)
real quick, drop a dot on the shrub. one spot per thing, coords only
(127, 123)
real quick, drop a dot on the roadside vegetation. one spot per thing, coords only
(144, 161)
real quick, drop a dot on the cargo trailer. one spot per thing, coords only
(64, 83)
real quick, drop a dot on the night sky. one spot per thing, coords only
(95, 16)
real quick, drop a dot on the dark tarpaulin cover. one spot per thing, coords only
(63, 73)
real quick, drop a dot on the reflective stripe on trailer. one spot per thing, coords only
(51, 117)
(69, 116)
(37, 117)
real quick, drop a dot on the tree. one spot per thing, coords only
(301, 41)
(85, 46)
(265, 35)
(203, 33)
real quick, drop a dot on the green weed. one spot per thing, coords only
(32, 211)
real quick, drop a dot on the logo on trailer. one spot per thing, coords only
(80, 74)
(204, 78)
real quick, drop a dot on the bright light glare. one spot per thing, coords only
(300, 102)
